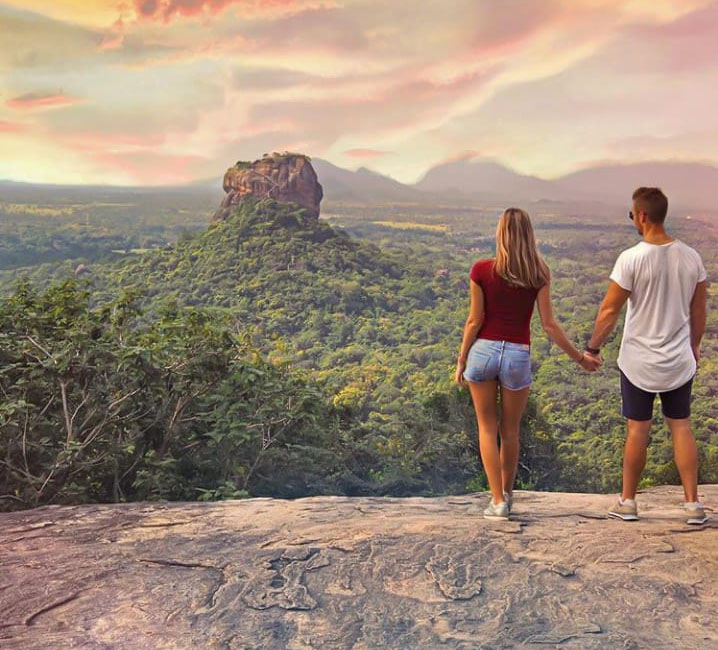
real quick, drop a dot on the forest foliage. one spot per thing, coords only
(276, 355)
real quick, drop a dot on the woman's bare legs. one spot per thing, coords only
(513, 403)
(483, 394)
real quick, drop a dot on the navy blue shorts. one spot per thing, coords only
(638, 403)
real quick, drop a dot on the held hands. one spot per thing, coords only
(591, 362)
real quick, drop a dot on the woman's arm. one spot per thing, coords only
(471, 328)
(555, 332)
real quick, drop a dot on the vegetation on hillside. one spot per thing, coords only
(274, 355)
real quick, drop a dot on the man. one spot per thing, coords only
(664, 282)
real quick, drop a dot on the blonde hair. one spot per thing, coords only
(518, 260)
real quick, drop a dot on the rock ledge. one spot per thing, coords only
(359, 573)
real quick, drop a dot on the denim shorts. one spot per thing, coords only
(509, 363)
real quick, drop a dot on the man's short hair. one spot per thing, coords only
(653, 202)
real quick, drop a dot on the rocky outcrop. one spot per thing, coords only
(283, 177)
(359, 573)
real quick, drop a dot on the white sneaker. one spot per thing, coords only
(695, 514)
(626, 510)
(496, 510)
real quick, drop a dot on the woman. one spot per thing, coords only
(496, 344)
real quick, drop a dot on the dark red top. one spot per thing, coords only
(507, 309)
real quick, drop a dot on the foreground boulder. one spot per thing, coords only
(361, 573)
(285, 177)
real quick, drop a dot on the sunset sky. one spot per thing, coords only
(169, 91)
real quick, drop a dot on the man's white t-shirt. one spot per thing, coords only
(656, 353)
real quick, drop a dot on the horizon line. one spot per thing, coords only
(466, 159)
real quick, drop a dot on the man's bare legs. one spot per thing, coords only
(513, 403)
(684, 450)
(686, 456)
(634, 457)
(483, 394)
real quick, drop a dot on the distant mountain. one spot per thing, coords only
(340, 184)
(689, 185)
(487, 178)
(461, 180)
(361, 185)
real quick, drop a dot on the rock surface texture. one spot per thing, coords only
(359, 573)
(283, 177)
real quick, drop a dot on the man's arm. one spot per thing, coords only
(608, 314)
(698, 316)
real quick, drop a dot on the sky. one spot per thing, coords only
(154, 92)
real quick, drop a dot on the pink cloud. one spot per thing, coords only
(366, 153)
(682, 46)
(137, 157)
(99, 141)
(11, 127)
(469, 154)
(287, 29)
(394, 104)
(39, 101)
(702, 22)
(166, 10)
(506, 27)
(149, 168)
(114, 38)
(324, 29)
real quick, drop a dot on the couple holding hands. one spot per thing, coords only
(664, 283)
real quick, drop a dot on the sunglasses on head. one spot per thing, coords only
(630, 215)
